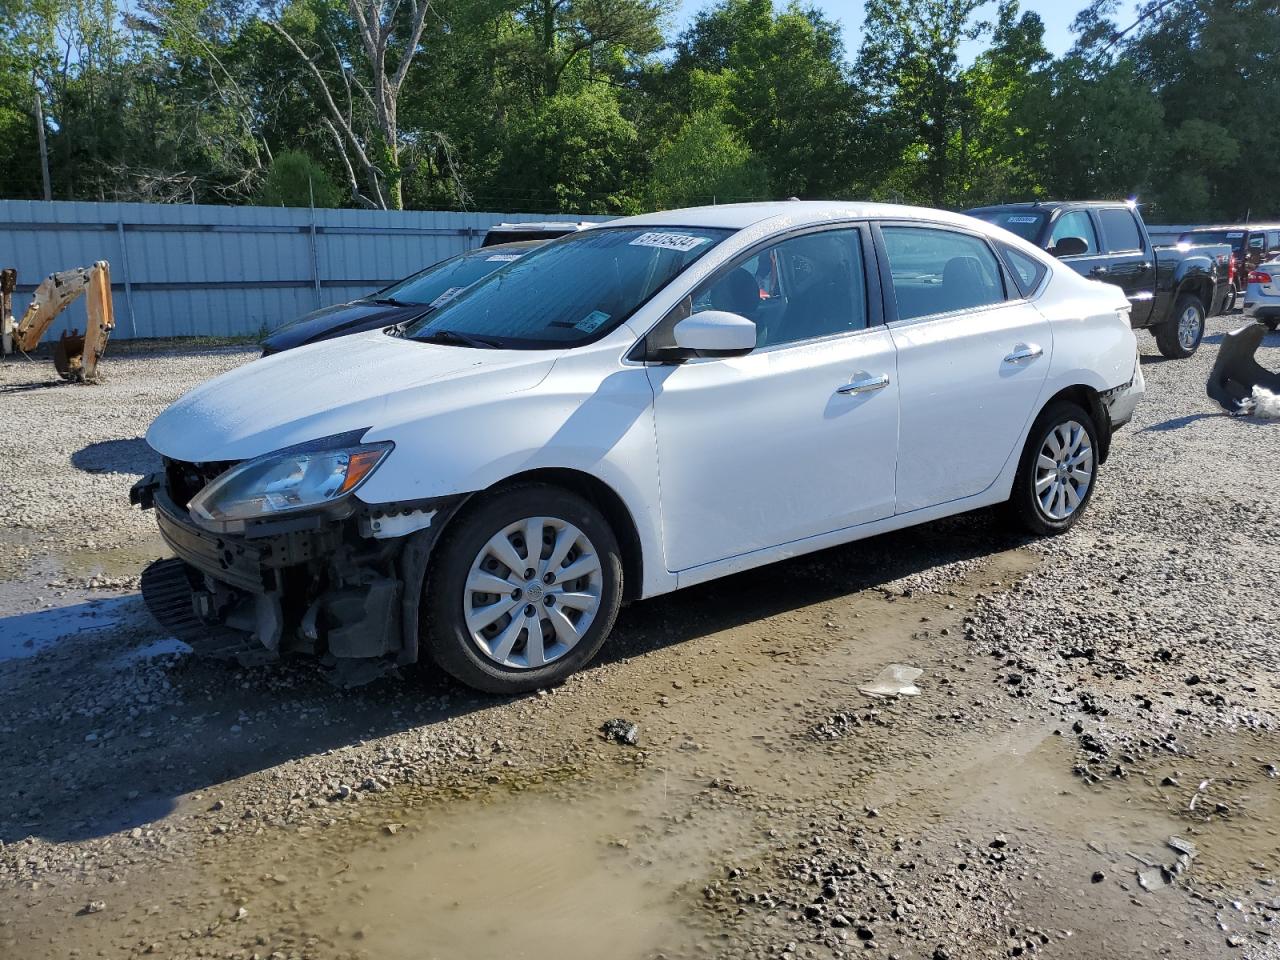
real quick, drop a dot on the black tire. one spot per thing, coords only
(445, 635)
(1167, 338)
(1272, 324)
(1024, 506)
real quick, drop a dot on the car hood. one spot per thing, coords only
(339, 320)
(366, 380)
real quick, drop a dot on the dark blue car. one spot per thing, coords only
(408, 299)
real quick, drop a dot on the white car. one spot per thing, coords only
(640, 406)
(1262, 295)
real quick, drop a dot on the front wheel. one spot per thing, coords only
(522, 590)
(1180, 336)
(1055, 476)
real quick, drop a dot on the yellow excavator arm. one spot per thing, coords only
(75, 357)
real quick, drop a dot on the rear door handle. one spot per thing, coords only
(865, 384)
(1023, 352)
(1098, 272)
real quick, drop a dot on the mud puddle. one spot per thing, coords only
(112, 563)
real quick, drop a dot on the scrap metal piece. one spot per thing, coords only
(1236, 373)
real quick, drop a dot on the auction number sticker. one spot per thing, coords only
(669, 241)
(1022, 219)
(446, 296)
(503, 257)
(592, 321)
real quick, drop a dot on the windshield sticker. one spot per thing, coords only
(669, 241)
(503, 257)
(592, 320)
(1229, 235)
(446, 296)
(1023, 219)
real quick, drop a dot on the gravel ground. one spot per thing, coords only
(1089, 769)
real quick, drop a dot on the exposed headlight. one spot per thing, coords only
(291, 481)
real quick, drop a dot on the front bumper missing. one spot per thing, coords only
(345, 589)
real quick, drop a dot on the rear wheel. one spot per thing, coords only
(1059, 464)
(1180, 336)
(523, 590)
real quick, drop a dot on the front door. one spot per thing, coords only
(799, 437)
(972, 359)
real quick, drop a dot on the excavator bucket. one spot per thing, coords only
(1236, 372)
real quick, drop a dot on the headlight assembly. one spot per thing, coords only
(289, 481)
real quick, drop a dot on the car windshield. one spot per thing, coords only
(439, 284)
(570, 292)
(1025, 224)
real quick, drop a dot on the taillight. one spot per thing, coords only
(1257, 276)
(1231, 269)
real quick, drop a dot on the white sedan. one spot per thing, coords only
(643, 405)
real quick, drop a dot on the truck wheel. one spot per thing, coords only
(522, 590)
(1057, 471)
(1180, 335)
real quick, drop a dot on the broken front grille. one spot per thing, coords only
(184, 480)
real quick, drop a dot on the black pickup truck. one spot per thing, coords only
(1171, 289)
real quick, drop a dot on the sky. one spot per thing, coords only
(1056, 14)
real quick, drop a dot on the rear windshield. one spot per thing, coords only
(1233, 237)
(572, 291)
(1025, 224)
(441, 283)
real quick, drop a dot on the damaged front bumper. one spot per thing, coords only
(345, 589)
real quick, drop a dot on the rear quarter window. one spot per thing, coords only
(1027, 271)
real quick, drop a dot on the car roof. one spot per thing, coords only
(738, 216)
(1049, 205)
(515, 246)
(569, 226)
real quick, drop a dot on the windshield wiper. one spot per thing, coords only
(391, 302)
(453, 336)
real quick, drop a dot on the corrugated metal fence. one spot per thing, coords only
(222, 271)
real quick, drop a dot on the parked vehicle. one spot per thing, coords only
(1171, 290)
(648, 404)
(409, 299)
(532, 230)
(1262, 295)
(1251, 243)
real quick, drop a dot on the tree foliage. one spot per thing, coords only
(594, 106)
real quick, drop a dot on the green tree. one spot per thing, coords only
(296, 180)
(575, 152)
(706, 162)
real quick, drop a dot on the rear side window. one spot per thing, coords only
(1077, 223)
(1027, 270)
(1120, 229)
(941, 271)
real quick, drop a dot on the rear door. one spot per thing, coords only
(972, 359)
(1132, 266)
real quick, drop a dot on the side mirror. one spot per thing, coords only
(715, 333)
(1069, 247)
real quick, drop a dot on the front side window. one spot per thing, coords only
(570, 292)
(1120, 229)
(1077, 223)
(940, 271)
(802, 288)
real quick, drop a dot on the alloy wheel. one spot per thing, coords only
(1189, 328)
(1064, 470)
(532, 592)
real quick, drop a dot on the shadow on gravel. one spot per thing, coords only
(100, 739)
(1177, 423)
(117, 456)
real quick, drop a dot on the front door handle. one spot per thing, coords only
(865, 384)
(1023, 352)
(1098, 272)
